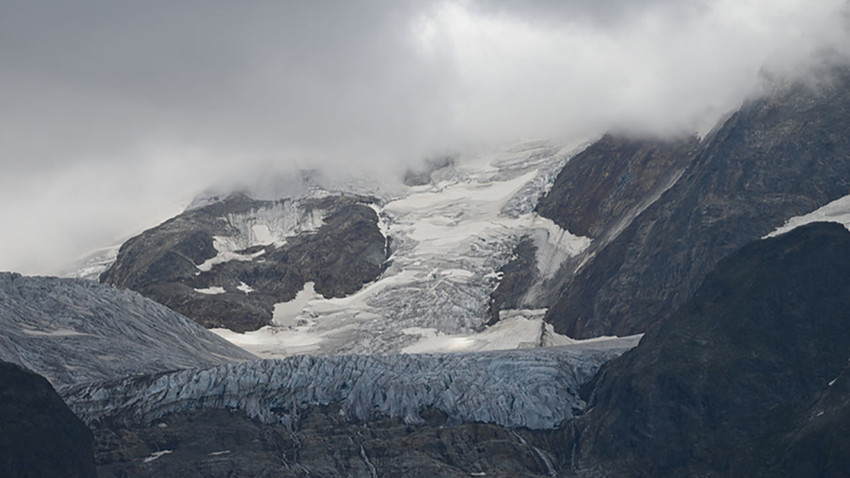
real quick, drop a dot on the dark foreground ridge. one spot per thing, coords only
(39, 435)
(748, 378)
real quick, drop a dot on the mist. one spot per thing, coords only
(115, 115)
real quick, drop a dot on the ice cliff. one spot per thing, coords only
(537, 389)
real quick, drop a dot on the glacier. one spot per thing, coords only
(74, 330)
(447, 240)
(536, 389)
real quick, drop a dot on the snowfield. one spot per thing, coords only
(448, 240)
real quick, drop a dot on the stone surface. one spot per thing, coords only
(228, 263)
(39, 435)
(780, 156)
(219, 443)
(611, 181)
(740, 381)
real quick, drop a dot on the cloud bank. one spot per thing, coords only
(115, 114)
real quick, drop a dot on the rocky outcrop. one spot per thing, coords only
(741, 380)
(780, 156)
(612, 181)
(226, 264)
(39, 435)
(526, 388)
(74, 330)
(218, 443)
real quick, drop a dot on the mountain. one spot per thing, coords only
(328, 273)
(748, 378)
(74, 331)
(740, 381)
(39, 435)
(227, 264)
(500, 260)
(781, 155)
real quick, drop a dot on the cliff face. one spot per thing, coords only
(228, 263)
(612, 181)
(39, 435)
(741, 380)
(780, 156)
(596, 195)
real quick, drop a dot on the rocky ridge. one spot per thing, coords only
(228, 263)
(779, 156)
(739, 382)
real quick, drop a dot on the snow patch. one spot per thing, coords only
(285, 313)
(156, 455)
(273, 342)
(263, 227)
(52, 333)
(262, 234)
(227, 247)
(211, 290)
(554, 245)
(244, 288)
(836, 211)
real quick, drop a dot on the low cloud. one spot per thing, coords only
(115, 114)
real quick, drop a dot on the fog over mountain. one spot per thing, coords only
(113, 115)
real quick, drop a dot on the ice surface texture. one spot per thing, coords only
(537, 389)
(73, 330)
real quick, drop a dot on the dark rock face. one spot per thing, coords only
(743, 378)
(517, 275)
(606, 182)
(272, 248)
(597, 194)
(219, 443)
(779, 156)
(39, 435)
(421, 176)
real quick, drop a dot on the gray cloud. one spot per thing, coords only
(114, 114)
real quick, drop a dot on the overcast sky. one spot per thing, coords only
(115, 113)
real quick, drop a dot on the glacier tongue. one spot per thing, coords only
(534, 389)
(448, 239)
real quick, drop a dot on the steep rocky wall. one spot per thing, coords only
(39, 435)
(740, 380)
(780, 156)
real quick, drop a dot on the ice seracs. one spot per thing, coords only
(535, 389)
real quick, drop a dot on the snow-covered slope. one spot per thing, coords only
(73, 331)
(836, 211)
(448, 239)
(534, 389)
